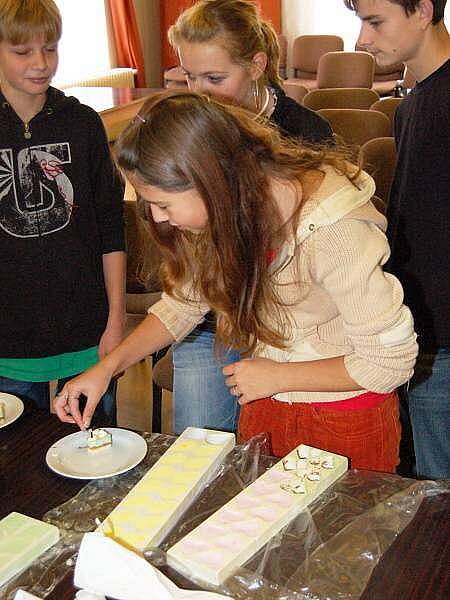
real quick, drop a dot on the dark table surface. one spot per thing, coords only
(27, 485)
(416, 566)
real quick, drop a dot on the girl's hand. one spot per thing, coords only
(253, 378)
(93, 384)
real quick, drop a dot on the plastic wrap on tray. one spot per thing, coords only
(328, 551)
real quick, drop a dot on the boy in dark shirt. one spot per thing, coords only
(413, 31)
(61, 227)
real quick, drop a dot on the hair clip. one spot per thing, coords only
(141, 119)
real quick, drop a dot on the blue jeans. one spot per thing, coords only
(200, 396)
(38, 392)
(429, 407)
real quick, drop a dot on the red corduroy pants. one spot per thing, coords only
(369, 437)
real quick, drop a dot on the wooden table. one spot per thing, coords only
(116, 106)
(26, 483)
(414, 567)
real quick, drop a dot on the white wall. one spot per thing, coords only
(91, 54)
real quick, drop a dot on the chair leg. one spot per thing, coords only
(157, 408)
(157, 395)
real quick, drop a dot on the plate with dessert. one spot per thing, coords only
(96, 453)
(11, 407)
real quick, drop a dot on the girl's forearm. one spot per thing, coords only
(325, 375)
(149, 336)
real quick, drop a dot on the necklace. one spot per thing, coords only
(269, 93)
(266, 103)
(274, 100)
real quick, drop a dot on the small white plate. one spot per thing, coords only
(13, 408)
(70, 457)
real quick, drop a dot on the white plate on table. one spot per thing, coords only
(13, 408)
(70, 457)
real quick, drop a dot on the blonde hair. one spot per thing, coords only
(237, 26)
(22, 20)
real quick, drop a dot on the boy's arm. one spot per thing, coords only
(114, 266)
(108, 191)
(149, 336)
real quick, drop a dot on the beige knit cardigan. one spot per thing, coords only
(339, 299)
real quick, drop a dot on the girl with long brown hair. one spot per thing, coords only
(283, 243)
(228, 50)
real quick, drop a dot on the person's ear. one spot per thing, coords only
(259, 64)
(425, 12)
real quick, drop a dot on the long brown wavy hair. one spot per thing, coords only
(181, 141)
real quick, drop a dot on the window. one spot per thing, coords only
(313, 17)
(83, 49)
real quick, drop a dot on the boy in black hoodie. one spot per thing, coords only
(61, 224)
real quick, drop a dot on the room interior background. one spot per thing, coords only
(93, 52)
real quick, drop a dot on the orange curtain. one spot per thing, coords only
(126, 37)
(271, 11)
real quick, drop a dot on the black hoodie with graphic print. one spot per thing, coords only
(60, 212)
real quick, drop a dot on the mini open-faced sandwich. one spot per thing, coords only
(98, 439)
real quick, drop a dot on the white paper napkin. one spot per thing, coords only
(23, 595)
(105, 567)
(80, 595)
(85, 595)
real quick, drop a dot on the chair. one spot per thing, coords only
(340, 98)
(283, 45)
(295, 91)
(142, 286)
(378, 157)
(345, 69)
(385, 77)
(356, 125)
(388, 106)
(174, 77)
(137, 305)
(143, 256)
(163, 371)
(306, 52)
